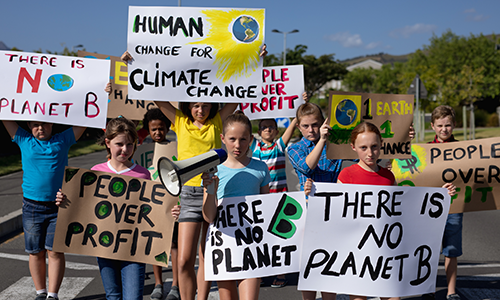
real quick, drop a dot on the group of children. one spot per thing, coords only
(200, 127)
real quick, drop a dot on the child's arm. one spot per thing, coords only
(78, 131)
(227, 110)
(308, 186)
(264, 189)
(210, 204)
(176, 211)
(167, 109)
(61, 199)
(287, 135)
(313, 158)
(451, 188)
(11, 127)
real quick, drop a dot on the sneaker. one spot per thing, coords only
(52, 298)
(429, 296)
(174, 293)
(157, 293)
(41, 296)
(453, 297)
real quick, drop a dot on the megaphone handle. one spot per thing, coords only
(211, 187)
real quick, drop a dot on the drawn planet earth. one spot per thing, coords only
(60, 82)
(245, 29)
(346, 112)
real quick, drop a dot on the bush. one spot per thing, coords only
(492, 120)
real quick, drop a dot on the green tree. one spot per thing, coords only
(317, 71)
(360, 80)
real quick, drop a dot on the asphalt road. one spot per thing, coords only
(479, 267)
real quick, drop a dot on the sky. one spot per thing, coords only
(345, 28)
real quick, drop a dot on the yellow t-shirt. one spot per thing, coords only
(192, 141)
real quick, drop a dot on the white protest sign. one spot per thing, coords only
(255, 236)
(373, 240)
(282, 89)
(52, 88)
(195, 54)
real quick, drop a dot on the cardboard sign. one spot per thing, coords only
(373, 240)
(119, 103)
(114, 216)
(472, 166)
(392, 114)
(282, 89)
(195, 54)
(144, 153)
(53, 88)
(255, 236)
(168, 150)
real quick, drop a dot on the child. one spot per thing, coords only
(198, 126)
(44, 157)
(121, 279)
(366, 141)
(157, 127)
(443, 123)
(238, 168)
(308, 156)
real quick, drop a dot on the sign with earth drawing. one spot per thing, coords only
(195, 54)
(391, 113)
(115, 216)
(472, 166)
(119, 103)
(52, 88)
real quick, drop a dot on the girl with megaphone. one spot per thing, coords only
(238, 168)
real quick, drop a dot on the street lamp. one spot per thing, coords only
(77, 46)
(284, 42)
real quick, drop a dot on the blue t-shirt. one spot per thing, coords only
(43, 163)
(244, 181)
(274, 157)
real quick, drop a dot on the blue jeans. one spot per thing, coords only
(122, 279)
(452, 238)
(39, 225)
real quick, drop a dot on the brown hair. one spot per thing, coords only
(364, 127)
(307, 109)
(186, 111)
(118, 126)
(237, 117)
(443, 111)
(272, 120)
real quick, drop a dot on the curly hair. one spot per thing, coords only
(154, 114)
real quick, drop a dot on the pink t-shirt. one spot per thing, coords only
(134, 171)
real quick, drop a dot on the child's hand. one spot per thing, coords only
(176, 211)
(324, 130)
(207, 181)
(412, 132)
(263, 52)
(126, 57)
(304, 96)
(451, 188)
(308, 186)
(107, 89)
(61, 199)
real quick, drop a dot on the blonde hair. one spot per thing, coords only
(118, 126)
(237, 117)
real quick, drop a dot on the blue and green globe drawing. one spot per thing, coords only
(245, 29)
(60, 82)
(346, 112)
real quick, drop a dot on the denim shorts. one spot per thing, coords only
(39, 225)
(191, 204)
(452, 238)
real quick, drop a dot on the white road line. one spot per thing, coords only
(69, 265)
(25, 289)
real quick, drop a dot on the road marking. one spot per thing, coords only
(25, 289)
(69, 265)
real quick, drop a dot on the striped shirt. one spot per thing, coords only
(274, 157)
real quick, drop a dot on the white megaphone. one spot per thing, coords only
(174, 175)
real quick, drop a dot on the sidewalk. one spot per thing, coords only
(11, 194)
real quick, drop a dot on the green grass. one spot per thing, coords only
(12, 163)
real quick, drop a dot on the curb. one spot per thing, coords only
(11, 223)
